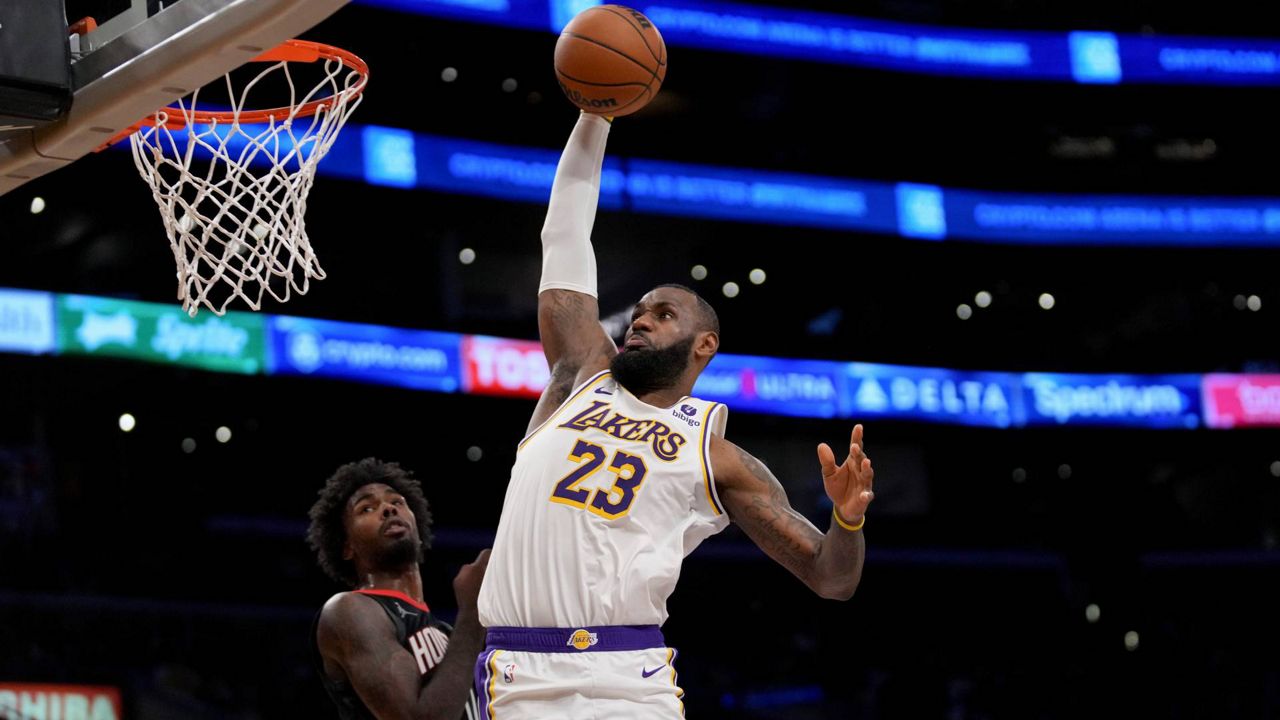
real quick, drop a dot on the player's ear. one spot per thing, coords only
(707, 345)
(347, 552)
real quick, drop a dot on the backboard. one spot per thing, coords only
(148, 55)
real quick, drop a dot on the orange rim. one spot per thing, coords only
(289, 51)
(83, 26)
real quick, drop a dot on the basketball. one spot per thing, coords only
(610, 60)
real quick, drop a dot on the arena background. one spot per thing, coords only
(1109, 560)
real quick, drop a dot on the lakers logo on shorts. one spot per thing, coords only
(581, 639)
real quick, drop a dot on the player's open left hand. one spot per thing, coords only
(848, 484)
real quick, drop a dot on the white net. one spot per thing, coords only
(232, 189)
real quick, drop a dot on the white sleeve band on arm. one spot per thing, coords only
(568, 260)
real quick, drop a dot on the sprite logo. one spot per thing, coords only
(152, 332)
(215, 336)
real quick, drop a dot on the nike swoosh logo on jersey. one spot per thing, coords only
(648, 673)
(602, 391)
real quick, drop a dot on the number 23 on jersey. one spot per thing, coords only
(612, 502)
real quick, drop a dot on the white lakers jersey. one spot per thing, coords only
(606, 499)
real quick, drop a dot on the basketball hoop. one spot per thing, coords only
(236, 226)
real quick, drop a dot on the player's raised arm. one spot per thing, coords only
(575, 343)
(831, 563)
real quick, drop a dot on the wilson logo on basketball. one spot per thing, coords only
(610, 60)
(581, 639)
(583, 101)
(635, 15)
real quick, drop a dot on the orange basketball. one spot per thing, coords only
(610, 60)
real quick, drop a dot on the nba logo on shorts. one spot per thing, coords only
(581, 639)
(509, 673)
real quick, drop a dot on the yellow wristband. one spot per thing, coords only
(851, 528)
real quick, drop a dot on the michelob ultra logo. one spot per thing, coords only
(581, 639)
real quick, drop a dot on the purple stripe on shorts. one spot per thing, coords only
(600, 638)
(482, 683)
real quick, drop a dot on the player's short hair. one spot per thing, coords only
(328, 534)
(707, 317)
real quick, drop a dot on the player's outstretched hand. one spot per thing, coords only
(466, 586)
(848, 484)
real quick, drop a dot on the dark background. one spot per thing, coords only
(184, 580)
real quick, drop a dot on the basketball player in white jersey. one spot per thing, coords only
(622, 474)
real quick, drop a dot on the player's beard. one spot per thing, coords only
(642, 371)
(404, 551)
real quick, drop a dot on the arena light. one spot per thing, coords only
(1082, 148)
(1184, 150)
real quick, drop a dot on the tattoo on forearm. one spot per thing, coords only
(778, 529)
(560, 384)
(566, 308)
(572, 318)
